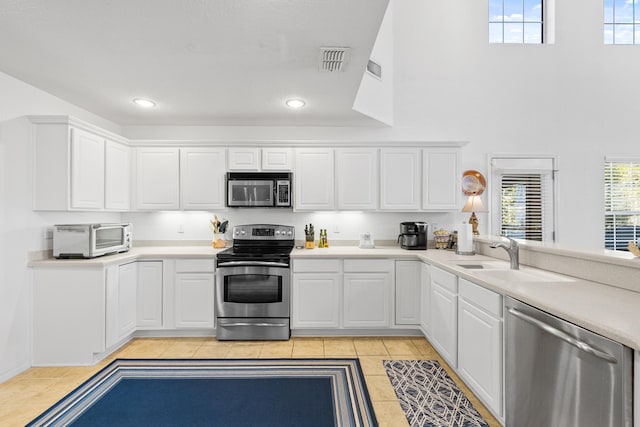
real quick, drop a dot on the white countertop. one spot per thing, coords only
(607, 310)
(135, 254)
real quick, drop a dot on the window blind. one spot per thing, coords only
(522, 207)
(522, 197)
(621, 203)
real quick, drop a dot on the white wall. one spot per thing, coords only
(339, 225)
(21, 229)
(375, 96)
(576, 99)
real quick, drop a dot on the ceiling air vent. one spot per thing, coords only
(374, 69)
(333, 58)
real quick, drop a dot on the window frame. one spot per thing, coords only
(525, 165)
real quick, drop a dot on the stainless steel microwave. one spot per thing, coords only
(259, 189)
(90, 240)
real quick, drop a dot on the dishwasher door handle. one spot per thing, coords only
(563, 336)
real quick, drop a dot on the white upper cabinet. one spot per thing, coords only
(117, 176)
(202, 178)
(441, 179)
(256, 159)
(87, 170)
(400, 179)
(314, 179)
(157, 178)
(277, 159)
(75, 167)
(357, 178)
(244, 158)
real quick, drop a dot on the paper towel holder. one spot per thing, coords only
(462, 248)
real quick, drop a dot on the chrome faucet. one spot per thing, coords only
(512, 249)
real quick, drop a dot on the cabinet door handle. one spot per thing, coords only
(587, 348)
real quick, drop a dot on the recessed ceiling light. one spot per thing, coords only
(144, 103)
(295, 103)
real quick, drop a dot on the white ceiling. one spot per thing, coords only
(219, 62)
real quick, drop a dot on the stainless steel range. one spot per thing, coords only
(253, 284)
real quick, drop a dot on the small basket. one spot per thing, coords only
(442, 238)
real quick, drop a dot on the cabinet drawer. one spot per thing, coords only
(194, 265)
(481, 297)
(445, 279)
(368, 266)
(316, 265)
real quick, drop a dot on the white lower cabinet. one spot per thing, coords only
(315, 300)
(367, 293)
(408, 292)
(120, 302)
(194, 293)
(480, 334)
(425, 298)
(315, 293)
(444, 314)
(149, 294)
(69, 313)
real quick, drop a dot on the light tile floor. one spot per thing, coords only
(28, 394)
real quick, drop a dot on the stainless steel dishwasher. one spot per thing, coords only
(558, 374)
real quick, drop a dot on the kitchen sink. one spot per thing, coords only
(484, 265)
(528, 275)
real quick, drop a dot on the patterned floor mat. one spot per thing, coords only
(429, 397)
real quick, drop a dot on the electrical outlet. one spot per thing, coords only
(180, 228)
(336, 228)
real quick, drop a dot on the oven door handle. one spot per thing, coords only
(251, 324)
(253, 263)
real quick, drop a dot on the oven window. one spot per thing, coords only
(253, 288)
(108, 237)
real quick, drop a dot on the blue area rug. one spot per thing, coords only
(218, 392)
(429, 397)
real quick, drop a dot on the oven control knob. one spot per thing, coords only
(289, 233)
(277, 232)
(243, 232)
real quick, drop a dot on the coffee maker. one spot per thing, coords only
(413, 235)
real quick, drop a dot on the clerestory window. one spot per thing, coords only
(516, 21)
(621, 22)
